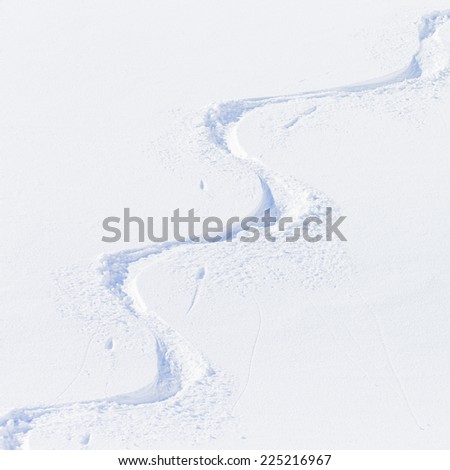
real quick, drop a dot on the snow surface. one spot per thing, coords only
(226, 344)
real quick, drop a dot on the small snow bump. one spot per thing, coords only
(201, 273)
(85, 439)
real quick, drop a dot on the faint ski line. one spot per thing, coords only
(252, 354)
(83, 363)
(388, 354)
(199, 281)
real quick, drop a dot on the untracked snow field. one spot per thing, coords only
(230, 108)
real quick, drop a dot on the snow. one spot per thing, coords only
(226, 344)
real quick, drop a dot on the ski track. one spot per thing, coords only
(180, 365)
(294, 121)
(252, 353)
(201, 273)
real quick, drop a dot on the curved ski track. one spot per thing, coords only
(180, 366)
